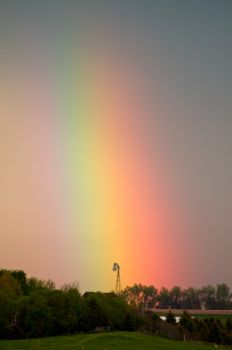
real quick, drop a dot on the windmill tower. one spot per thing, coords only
(116, 268)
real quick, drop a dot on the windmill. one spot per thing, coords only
(116, 268)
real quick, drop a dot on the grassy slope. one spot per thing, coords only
(102, 341)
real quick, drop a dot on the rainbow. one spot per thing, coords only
(88, 190)
(115, 193)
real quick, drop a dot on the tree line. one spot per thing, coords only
(209, 297)
(189, 328)
(30, 307)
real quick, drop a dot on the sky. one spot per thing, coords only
(115, 141)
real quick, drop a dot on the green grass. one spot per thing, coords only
(223, 318)
(102, 341)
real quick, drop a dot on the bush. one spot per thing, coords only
(170, 318)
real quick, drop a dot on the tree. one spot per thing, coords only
(164, 298)
(9, 285)
(191, 299)
(208, 297)
(94, 311)
(143, 297)
(170, 318)
(229, 325)
(175, 297)
(10, 291)
(34, 319)
(35, 284)
(213, 331)
(223, 296)
(129, 322)
(186, 321)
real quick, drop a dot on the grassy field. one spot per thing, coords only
(102, 341)
(222, 315)
(222, 318)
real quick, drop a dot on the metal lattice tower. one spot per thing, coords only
(116, 268)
